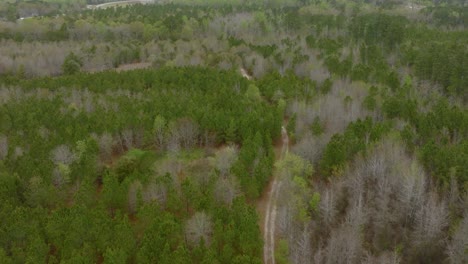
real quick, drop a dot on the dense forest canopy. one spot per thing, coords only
(152, 133)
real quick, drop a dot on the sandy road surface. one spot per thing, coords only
(110, 4)
(269, 220)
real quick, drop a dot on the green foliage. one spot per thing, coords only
(361, 72)
(282, 252)
(317, 127)
(326, 86)
(342, 148)
(10, 188)
(431, 59)
(441, 153)
(289, 85)
(159, 124)
(311, 41)
(445, 161)
(314, 202)
(447, 15)
(128, 55)
(115, 256)
(369, 103)
(111, 219)
(163, 234)
(399, 107)
(72, 64)
(437, 132)
(329, 46)
(292, 20)
(134, 161)
(266, 50)
(254, 165)
(253, 93)
(295, 168)
(4, 258)
(377, 28)
(89, 219)
(291, 126)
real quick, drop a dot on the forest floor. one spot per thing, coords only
(266, 207)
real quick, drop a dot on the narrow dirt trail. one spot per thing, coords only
(267, 206)
(270, 224)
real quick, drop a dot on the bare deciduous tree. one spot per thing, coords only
(155, 192)
(330, 109)
(19, 151)
(226, 190)
(224, 159)
(284, 220)
(208, 139)
(301, 248)
(189, 132)
(458, 246)
(384, 258)
(133, 192)
(159, 131)
(61, 175)
(184, 132)
(201, 172)
(105, 142)
(199, 227)
(126, 139)
(344, 245)
(328, 205)
(319, 256)
(412, 190)
(357, 214)
(431, 220)
(310, 147)
(3, 147)
(63, 155)
(170, 165)
(173, 145)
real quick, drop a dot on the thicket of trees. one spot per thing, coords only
(344, 40)
(164, 164)
(115, 157)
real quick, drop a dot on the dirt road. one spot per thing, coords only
(128, 2)
(270, 224)
(270, 211)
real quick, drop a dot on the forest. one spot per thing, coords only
(189, 131)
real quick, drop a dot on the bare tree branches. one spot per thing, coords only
(184, 132)
(133, 191)
(310, 147)
(224, 159)
(105, 142)
(344, 246)
(458, 246)
(199, 227)
(159, 131)
(63, 155)
(155, 192)
(226, 189)
(431, 220)
(3, 147)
